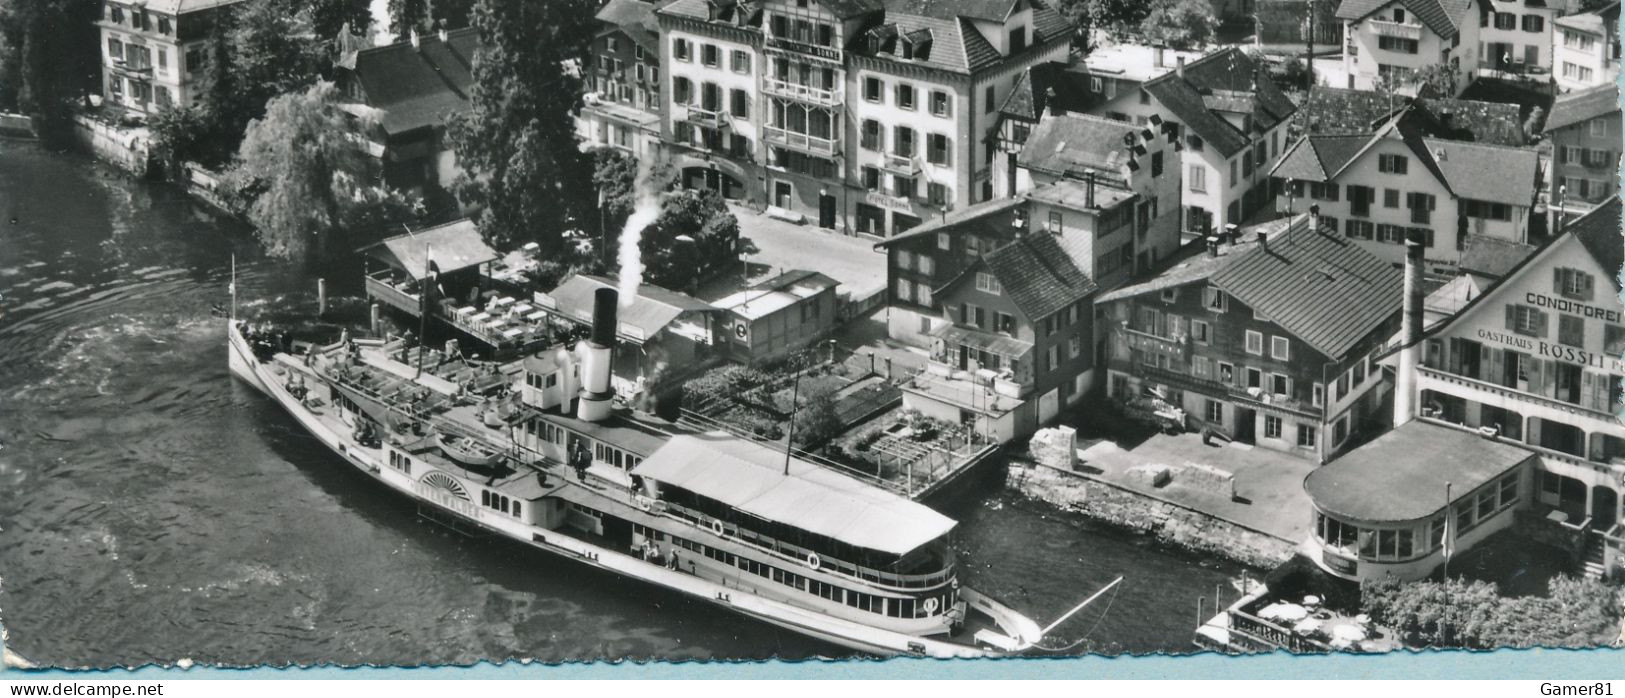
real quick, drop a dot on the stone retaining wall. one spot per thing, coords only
(115, 146)
(1168, 522)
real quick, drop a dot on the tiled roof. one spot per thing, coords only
(1225, 74)
(1339, 111)
(636, 18)
(1583, 105)
(1031, 93)
(1191, 264)
(453, 247)
(990, 218)
(1319, 158)
(651, 311)
(1073, 142)
(1037, 275)
(1486, 172)
(1401, 475)
(177, 7)
(1443, 17)
(990, 10)
(1493, 257)
(417, 87)
(956, 45)
(1600, 232)
(1596, 21)
(1321, 287)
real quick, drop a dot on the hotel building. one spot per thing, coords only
(153, 51)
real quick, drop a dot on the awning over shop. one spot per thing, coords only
(1401, 475)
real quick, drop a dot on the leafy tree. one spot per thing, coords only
(1182, 24)
(406, 16)
(329, 17)
(1439, 79)
(694, 237)
(450, 14)
(305, 174)
(615, 174)
(1108, 16)
(49, 60)
(816, 420)
(517, 142)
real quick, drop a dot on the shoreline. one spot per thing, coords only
(1171, 524)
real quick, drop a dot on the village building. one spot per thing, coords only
(154, 50)
(405, 93)
(1264, 338)
(1584, 128)
(1515, 39)
(661, 334)
(1233, 121)
(1375, 187)
(1585, 49)
(1015, 345)
(623, 103)
(1390, 42)
(1515, 396)
(772, 318)
(855, 115)
(923, 259)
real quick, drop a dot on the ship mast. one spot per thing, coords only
(423, 305)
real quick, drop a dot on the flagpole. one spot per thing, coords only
(1448, 534)
(423, 306)
(233, 286)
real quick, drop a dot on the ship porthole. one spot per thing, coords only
(813, 561)
(931, 605)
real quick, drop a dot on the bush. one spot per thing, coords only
(1473, 614)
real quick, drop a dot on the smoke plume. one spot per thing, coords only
(645, 210)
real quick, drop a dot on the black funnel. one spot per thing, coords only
(604, 301)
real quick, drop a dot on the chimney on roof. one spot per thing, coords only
(1212, 245)
(1410, 331)
(1232, 233)
(412, 36)
(443, 34)
(1314, 216)
(1181, 67)
(1049, 101)
(1089, 195)
(1161, 54)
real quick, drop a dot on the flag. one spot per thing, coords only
(1447, 540)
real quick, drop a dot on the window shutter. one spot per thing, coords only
(1540, 323)
(1557, 280)
(1490, 361)
(1512, 316)
(1586, 288)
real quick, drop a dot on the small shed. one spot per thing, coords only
(779, 315)
(456, 250)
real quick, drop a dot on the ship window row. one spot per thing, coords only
(885, 605)
(545, 431)
(537, 381)
(400, 462)
(606, 453)
(589, 511)
(492, 500)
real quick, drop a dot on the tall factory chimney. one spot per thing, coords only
(1410, 330)
(596, 358)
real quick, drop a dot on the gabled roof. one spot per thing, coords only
(650, 312)
(775, 294)
(1339, 111)
(991, 218)
(454, 246)
(1320, 286)
(1496, 123)
(956, 44)
(636, 18)
(1583, 105)
(415, 87)
(1596, 21)
(1071, 143)
(1442, 17)
(1037, 275)
(1598, 231)
(1492, 257)
(1049, 85)
(752, 478)
(1317, 158)
(1486, 172)
(1225, 79)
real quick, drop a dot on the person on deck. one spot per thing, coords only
(580, 459)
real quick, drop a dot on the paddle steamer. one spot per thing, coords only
(537, 450)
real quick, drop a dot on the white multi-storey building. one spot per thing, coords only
(1516, 36)
(856, 115)
(153, 50)
(1390, 41)
(1585, 48)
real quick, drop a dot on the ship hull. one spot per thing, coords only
(265, 377)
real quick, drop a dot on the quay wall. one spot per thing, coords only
(120, 148)
(1168, 522)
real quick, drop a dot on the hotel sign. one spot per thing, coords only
(894, 203)
(1560, 352)
(1145, 342)
(1564, 305)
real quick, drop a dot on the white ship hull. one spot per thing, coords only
(805, 621)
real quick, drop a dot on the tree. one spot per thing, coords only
(406, 16)
(816, 419)
(450, 14)
(1439, 79)
(517, 142)
(1461, 613)
(694, 237)
(305, 172)
(1108, 16)
(615, 174)
(50, 58)
(1182, 24)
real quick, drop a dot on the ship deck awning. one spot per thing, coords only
(985, 341)
(452, 247)
(751, 478)
(1401, 475)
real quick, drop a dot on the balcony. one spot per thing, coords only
(1397, 29)
(1513, 394)
(905, 165)
(130, 70)
(709, 118)
(806, 143)
(804, 93)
